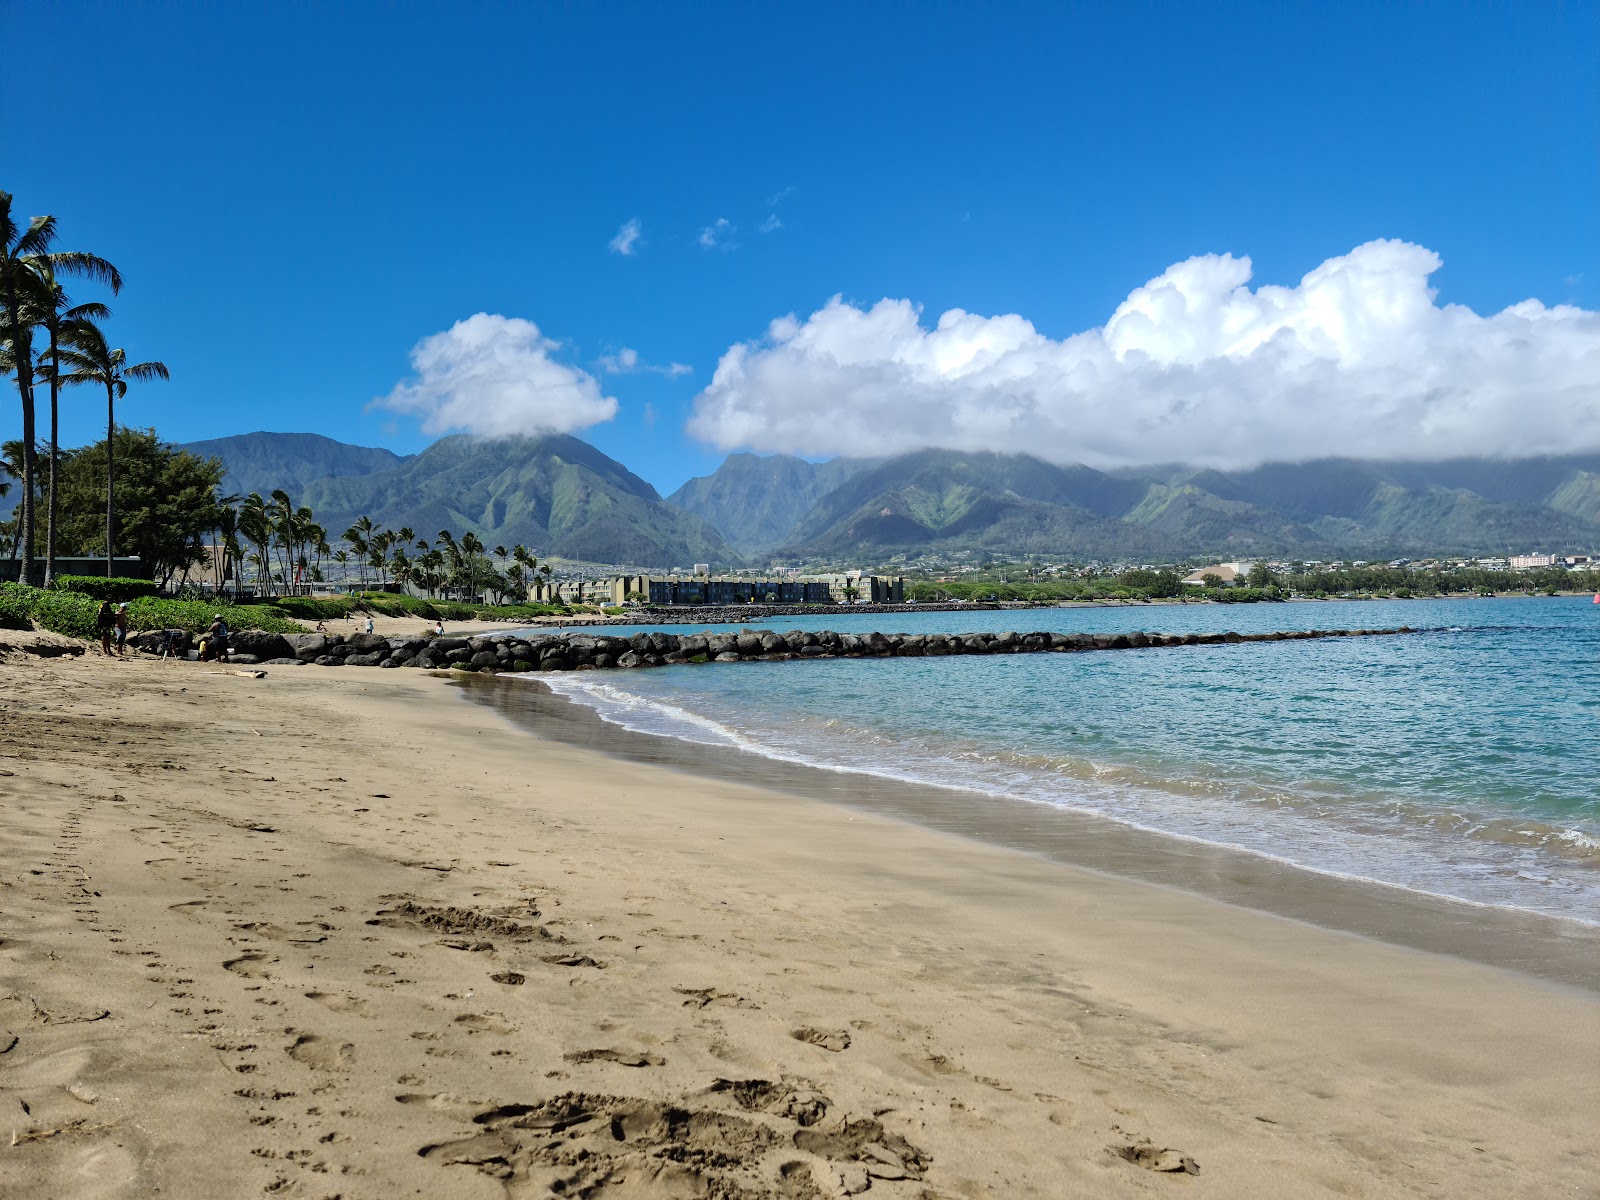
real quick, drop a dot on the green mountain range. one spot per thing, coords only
(556, 495)
(562, 497)
(756, 502)
(939, 501)
(261, 462)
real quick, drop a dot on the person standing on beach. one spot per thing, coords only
(104, 622)
(122, 631)
(215, 644)
(438, 628)
(369, 622)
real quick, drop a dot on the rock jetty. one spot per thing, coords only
(586, 651)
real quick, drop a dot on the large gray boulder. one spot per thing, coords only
(308, 645)
(367, 643)
(263, 645)
(367, 660)
(440, 646)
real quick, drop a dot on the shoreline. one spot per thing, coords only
(1551, 949)
(355, 934)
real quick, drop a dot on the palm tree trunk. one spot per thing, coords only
(55, 457)
(111, 477)
(30, 470)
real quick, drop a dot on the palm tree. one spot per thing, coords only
(228, 541)
(358, 536)
(26, 262)
(94, 361)
(58, 318)
(255, 526)
(471, 547)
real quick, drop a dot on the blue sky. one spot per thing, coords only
(297, 195)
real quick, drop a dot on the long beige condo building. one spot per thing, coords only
(846, 588)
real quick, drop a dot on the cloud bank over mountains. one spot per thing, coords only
(493, 375)
(1194, 367)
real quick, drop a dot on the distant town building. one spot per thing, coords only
(1532, 562)
(1227, 572)
(708, 589)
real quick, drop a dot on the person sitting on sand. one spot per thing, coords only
(438, 628)
(104, 622)
(322, 627)
(122, 631)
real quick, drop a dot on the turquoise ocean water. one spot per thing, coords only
(1462, 762)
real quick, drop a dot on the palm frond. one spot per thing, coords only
(144, 372)
(36, 239)
(89, 266)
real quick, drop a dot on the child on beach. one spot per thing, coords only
(122, 631)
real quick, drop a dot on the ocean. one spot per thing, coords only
(1462, 762)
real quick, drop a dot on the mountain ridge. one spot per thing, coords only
(566, 498)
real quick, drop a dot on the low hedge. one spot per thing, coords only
(15, 611)
(101, 587)
(73, 613)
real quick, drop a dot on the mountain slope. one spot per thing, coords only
(1209, 519)
(557, 495)
(943, 500)
(260, 462)
(755, 502)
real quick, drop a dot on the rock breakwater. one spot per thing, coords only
(597, 651)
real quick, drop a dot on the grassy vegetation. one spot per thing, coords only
(73, 613)
(101, 587)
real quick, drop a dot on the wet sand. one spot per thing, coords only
(1562, 952)
(346, 933)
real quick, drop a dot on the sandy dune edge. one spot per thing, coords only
(345, 934)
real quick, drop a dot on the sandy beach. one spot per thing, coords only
(349, 934)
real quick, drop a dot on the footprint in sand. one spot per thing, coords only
(248, 964)
(277, 933)
(320, 1054)
(337, 1003)
(797, 1099)
(829, 1039)
(705, 997)
(1145, 1153)
(623, 1058)
(573, 960)
(440, 1102)
(484, 1023)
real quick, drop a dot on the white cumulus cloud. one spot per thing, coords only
(626, 243)
(718, 235)
(493, 375)
(627, 362)
(1358, 359)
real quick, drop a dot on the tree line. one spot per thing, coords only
(48, 341)
(286, 550)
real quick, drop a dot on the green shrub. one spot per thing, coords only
(320, 608)
(65, 612)
(195, 616)
(73, 614)
(113, 588)
(15, 610)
